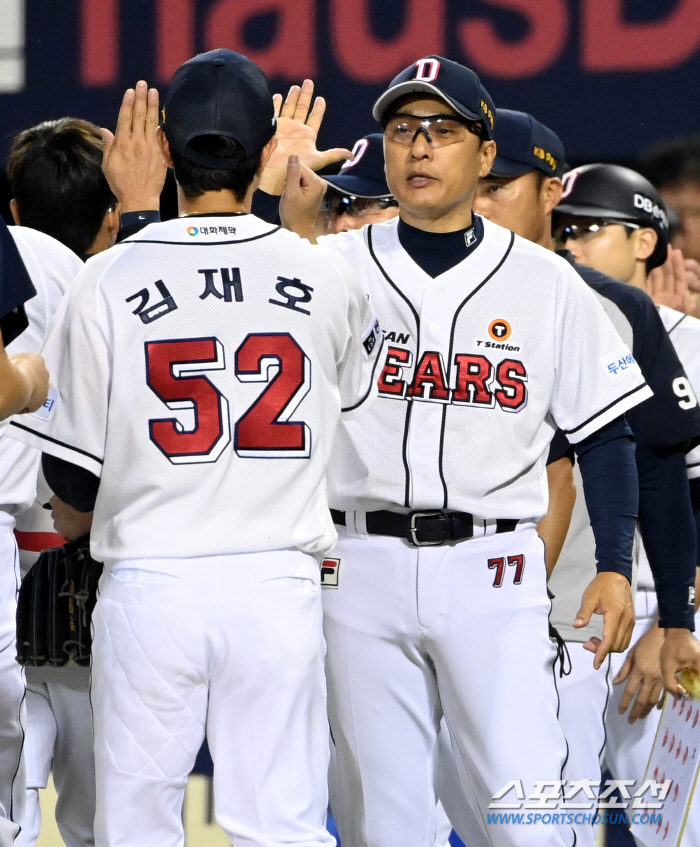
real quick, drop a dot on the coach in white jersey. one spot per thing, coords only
(221, 352)
(50, 266)
(439, 605)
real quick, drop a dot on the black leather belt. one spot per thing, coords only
(424, 529)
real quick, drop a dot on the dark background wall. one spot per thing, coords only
(610, 76)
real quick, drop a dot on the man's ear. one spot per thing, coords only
(164, 147)
(267, 152)
(113, 221)
(14, 210)
(552, 189)
(488, 154)
(645, 242)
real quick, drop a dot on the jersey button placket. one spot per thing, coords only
(423, 448)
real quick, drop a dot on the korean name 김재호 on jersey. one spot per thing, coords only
(200, 369)
(481, 364)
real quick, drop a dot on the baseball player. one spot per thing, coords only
(36, 267)
(359, 195)
(55, 172)
(222, 352)
(521, 193)
(441, 484)
(611, 217)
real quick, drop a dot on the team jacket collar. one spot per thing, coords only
(204, 229)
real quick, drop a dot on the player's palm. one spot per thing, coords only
(295, 138)
(298, 125)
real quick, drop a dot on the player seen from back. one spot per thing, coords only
(440, 602)
(233, 349)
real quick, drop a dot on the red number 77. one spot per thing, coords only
(500, 567)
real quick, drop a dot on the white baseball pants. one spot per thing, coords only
(230, 645)
(12, 691)
(629, 745)
(59, 739)
(583, 701)
(412, 634)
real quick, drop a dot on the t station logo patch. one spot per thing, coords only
(330, 572)
(499, 329)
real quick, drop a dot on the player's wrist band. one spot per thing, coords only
(424, 529)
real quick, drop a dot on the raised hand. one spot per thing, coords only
(132, 161)
(301, 199)
(669, 284)
(297, 134)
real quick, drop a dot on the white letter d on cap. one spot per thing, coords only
(427, 69)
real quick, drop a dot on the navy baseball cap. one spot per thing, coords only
(363, 175)
(452, 82)
(219, 93)
(524, 145)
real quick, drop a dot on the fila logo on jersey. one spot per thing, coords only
(479, 382)
(330, 573)
(427, 69)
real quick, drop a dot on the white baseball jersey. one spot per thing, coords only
(200, 369)
(51, 267)
(481, 364)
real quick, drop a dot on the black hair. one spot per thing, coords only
(672, 161)
(195, 180)
(55, 172)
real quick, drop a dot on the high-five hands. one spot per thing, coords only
(132, 160)
(298, 123)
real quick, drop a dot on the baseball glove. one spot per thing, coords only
(54, 608)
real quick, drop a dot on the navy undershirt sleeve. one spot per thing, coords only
(266, 206)
(132, 222)
(611, 489)
(559, 447)
(70, 483)
(664, 490)
(695, 502)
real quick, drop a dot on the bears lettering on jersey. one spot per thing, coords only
(479, 381)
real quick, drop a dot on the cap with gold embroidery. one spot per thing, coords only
(524, 144)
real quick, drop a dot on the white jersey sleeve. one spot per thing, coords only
(77, 356)
(51, 267)
(598, 378)
(357, 380)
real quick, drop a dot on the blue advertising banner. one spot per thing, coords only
(611, 76)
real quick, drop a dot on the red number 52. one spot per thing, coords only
(176, 372)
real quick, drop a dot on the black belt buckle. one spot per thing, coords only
(412, 537)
